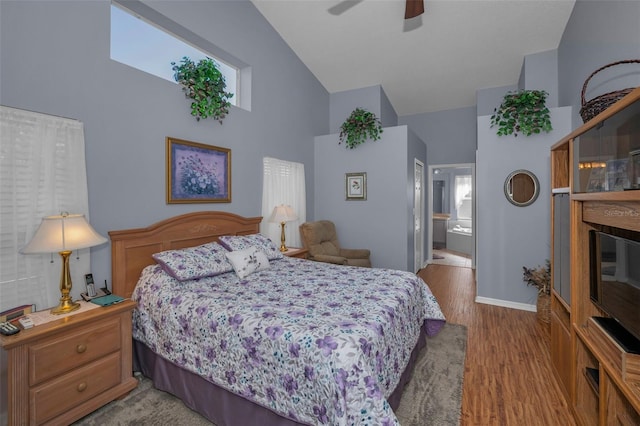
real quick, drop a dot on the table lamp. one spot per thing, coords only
(282, 214)
(63, 234)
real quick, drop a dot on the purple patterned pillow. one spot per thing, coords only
(202, 261)
(242, 242)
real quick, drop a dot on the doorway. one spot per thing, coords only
(450, 214)
(418, 214)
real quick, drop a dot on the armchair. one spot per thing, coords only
(322, 242)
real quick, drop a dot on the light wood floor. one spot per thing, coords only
(508, 378)
(451, 258)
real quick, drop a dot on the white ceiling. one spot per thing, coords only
(457, 47)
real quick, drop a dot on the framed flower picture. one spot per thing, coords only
(356, 186)
(197, 173)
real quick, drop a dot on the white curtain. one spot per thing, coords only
(463, 194)
(283, 183)
(42, 173)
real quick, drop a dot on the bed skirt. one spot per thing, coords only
(221, 406)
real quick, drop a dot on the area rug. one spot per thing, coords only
(437, 256)
(432, 397)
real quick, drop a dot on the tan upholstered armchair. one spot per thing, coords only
(322, 242)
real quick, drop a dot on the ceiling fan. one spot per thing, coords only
(412, 9)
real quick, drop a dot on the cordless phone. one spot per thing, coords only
(91, 287)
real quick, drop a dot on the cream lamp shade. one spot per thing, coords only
(282, 214)
(63, 234)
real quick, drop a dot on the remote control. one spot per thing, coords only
(7, 329)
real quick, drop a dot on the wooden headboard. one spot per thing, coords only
(131, 249)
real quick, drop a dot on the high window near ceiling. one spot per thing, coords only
(148, 41)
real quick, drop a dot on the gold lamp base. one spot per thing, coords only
(66, 303)
(283, 247)
(65, 306)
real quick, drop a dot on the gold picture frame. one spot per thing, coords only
(197, 173)
(356, 186)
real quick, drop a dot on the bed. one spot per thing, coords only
(290, 342)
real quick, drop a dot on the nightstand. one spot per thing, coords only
(298, 252)
(62, 370)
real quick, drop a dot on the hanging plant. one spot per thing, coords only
(204, 84)
(523, 112)
(360, 126)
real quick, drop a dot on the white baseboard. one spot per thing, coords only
(506, 304)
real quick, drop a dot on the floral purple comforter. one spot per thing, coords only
(314, 342)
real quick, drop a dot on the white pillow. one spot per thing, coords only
(248, 261)
(241, 242)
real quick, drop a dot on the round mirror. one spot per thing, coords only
(521, 188)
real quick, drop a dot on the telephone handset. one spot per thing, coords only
(91, 287)
(92, 291)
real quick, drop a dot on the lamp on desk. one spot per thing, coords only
(63, 234)
(282, 214)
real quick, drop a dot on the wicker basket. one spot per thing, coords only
(598, 104)
(543, 308)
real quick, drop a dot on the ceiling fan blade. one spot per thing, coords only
(413, 8)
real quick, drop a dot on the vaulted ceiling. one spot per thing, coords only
(433, 62)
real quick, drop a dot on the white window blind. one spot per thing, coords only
(283, 183)
(42, 173)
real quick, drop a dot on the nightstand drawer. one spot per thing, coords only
(58, 354)
(62, 370)
(67, 391)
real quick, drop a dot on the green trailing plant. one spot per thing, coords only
(539, 277)
(524, 111)
(204, 84)
(360, 126)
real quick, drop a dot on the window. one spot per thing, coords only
(147, 47)
(42, 173)
(463, 190)
(283, 183)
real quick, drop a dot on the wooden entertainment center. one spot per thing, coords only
(594, 186)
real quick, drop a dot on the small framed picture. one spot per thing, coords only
(596, 182)
(617, 176)
(634, 169)
(356, 186)
(197, 173)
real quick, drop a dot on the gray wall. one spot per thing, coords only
(540, 72)
(55, 60)
(487, 100)
(388, 114)
(598, 33)
(511, 237)
(450, 135)
(416, 150)
(372, 98)
(381, 222)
